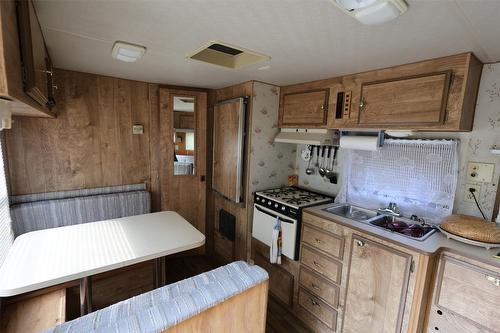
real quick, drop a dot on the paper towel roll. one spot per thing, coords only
(359, 142)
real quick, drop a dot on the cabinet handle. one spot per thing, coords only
(313, 302)
(46, 71)
(362, 104)
(317, 264)
(495, 281)
(314, 286)
(360, 243)
(322, 107)
(319, 241)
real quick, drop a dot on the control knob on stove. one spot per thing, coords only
(283, 208)
(269, 203)
(276, 205)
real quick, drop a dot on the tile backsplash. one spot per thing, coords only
(473, 146)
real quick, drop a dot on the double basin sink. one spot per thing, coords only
(405, 227)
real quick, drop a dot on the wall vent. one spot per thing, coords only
(226, 55)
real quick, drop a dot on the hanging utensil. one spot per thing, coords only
(324, 167)
(322, 170)
(331, 175)
(310, 170)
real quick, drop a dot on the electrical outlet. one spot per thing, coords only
(468, 196)
(480, 172)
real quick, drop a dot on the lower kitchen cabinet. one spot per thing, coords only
(375, 286)
(282, 278)
(466, 297)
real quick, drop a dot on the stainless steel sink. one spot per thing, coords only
(403, 227)
(352, 212)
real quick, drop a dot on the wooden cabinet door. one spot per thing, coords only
(37, 66)
(410, 101)
(376, 287)
(228, 143)
(468, 292)
(305, 109)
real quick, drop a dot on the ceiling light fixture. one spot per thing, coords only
(372, 11)
(127, 52)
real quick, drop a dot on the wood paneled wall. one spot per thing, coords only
(90, 143)
(222, 247)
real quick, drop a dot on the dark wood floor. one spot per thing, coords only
(111, 288)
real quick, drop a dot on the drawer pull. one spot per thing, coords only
(313, 302)
(495, 281)
(314, 286)
(317, 264)
(360, 243)
(319, 241)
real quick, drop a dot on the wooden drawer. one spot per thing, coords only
(321, 264)
(328, 243)
(319, 287)
(323, 224)
(318, 308)
(280, 281)
(469, 291)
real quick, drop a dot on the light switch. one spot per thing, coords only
(138, 129)
(480, 172)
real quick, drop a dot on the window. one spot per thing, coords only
(6, 234)
(190, 141)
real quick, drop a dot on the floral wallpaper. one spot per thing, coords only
(472, 147)
(476, 145)
(270, 163)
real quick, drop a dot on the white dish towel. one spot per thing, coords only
(276, 244)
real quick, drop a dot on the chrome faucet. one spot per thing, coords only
(391, 209)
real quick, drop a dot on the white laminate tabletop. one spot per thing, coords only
(48, 257)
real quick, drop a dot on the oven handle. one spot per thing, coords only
(273, 215)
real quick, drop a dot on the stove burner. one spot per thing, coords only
(293, 196)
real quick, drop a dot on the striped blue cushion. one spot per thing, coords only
(54, 213)
(159, 309)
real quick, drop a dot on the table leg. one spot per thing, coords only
(159, 272)
(85, 295)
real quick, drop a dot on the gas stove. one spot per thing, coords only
(292, 196)
(284, 204)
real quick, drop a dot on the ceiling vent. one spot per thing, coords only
(226, 55)
(372, 11)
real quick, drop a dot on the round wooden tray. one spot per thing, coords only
(449, 235)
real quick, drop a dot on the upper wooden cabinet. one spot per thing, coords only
(432, 95)
(304, 109)
(25, 77)
(419, 101)
(36, 63)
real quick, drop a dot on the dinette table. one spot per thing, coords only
(49, 257)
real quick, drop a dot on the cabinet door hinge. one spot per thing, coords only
(412, 266)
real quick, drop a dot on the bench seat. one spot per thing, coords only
(165, 307)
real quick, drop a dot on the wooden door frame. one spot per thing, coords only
(165, 140)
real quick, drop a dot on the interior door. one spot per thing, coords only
(376, 288)
(183, 153)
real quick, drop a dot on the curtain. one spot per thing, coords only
(6, 234)
(419, 175)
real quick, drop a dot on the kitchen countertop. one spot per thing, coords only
(432, 245)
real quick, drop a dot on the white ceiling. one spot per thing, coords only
(307, 39)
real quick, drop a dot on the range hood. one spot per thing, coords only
(308, 136)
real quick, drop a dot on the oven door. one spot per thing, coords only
(264, 220)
